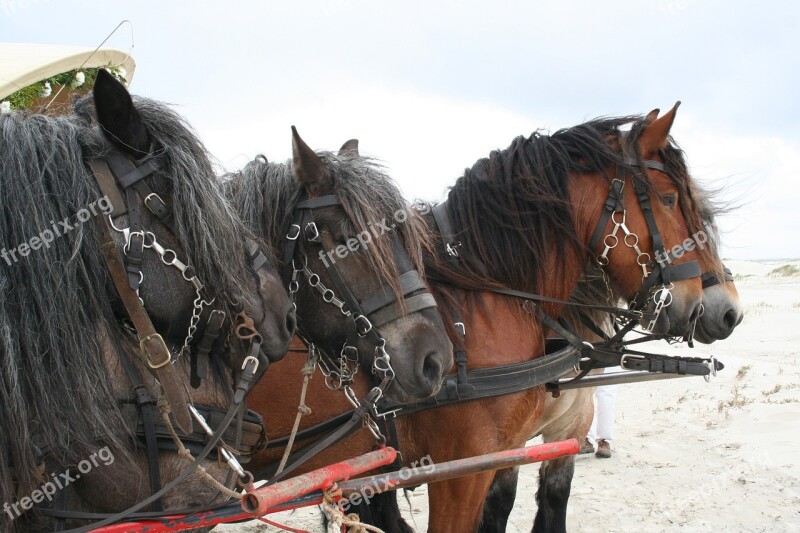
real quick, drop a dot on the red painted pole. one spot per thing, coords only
(431, 473)
(283, 496)
(259, 501)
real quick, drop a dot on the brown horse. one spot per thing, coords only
(65, 438)
(675, 194)
(570, 414)
(530, 213)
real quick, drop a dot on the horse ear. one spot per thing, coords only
(652, 115)
(656, 134)
(349, 148)
(118, 117)
(308, 169)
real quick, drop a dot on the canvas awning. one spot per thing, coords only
(24, 64)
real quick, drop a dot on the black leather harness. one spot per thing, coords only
(364, 317)
(113, 173)
(563, 356)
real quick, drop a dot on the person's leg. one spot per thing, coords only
(603, 425)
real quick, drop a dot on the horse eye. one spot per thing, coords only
(669, 200)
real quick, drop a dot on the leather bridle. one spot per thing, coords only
(364, 317)
(657, 276)
(124, 184)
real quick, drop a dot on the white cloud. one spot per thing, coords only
(426, 141)
(756, 173)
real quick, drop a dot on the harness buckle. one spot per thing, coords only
(159, 206)
(154, 347)
(294, 232)
(365, 323)
(452, 248)
(460, 327)
(138, 243)
(627, 356)
(712, 367)
(251, 359)
(312, 232)
(350, 353)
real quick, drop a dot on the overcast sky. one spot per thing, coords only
(430, 87)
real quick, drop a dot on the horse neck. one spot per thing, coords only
(499, 330)
(531, 252)
(213, 391)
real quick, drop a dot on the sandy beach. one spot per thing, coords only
(689, 456)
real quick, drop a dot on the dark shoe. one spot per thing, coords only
(586, 447)
(603, 449)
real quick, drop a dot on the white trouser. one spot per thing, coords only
(605, 399)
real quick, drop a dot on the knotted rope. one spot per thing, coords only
(302, 409)
(336, 517)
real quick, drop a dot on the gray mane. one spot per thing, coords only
(55, 389)
(205, 222)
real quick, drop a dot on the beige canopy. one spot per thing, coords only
(24, 64)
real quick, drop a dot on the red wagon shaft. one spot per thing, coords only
(459, 468)
(258, 502)
(308, 488)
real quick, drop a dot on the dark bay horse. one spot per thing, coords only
(355, 236)
(67, 348)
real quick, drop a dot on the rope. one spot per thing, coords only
(163, 406)
(302, 409)
(338, 520)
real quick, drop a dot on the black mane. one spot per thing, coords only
(513, 208)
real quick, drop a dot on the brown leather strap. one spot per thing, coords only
(153, 350)
(108, 186)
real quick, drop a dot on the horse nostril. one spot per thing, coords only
(732, 319)
(432, 368)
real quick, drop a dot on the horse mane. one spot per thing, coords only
(511, 207)
(55, 316)
(265, 193)
(54, 388)
(205, 222)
